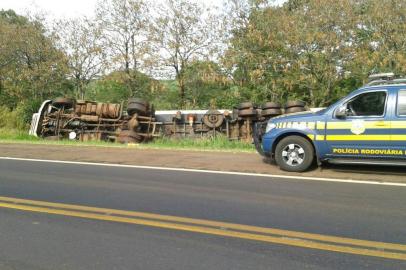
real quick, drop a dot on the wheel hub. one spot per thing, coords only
(293, 155)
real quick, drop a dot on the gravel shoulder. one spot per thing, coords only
(221, 161)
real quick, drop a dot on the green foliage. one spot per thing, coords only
(7, 118)
(19, 118)
(31, 67)
(119, 86)
(316, 50)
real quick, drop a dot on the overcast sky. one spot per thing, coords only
(65, 8)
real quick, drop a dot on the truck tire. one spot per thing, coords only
(139, 101)
(67, 103)
(271, 105)
(295, 103)
(133, 108)
(295, 109)
(247, 112)
(294, 154)
(245, 105)
(271, 112)
(213, 119)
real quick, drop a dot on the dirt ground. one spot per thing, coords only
(222, 161)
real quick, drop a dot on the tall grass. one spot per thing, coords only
(217, 143)
(220, 143)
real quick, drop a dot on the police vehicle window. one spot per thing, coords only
(367, 104)
(402, 102)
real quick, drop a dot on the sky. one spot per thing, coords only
(65, 8)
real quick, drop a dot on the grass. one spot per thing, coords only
(220, 143)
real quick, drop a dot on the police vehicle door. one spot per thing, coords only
(399, 123)
(360, 126)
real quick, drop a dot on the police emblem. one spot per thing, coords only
(358, 127)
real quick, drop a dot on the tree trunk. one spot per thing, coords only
(182, 93)
(127, 59)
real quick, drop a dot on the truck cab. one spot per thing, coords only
(367, 126)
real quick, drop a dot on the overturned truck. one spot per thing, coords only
(137, 121)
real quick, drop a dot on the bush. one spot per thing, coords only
(24, 112)
(8, 118)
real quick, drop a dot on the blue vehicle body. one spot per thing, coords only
(376, 137)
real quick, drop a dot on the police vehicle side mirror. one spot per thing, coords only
(341, 112)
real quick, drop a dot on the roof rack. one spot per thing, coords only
(384, 78)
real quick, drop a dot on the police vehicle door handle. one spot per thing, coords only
(381, 124)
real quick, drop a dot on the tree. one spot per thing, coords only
(81, 41)
(124, 24)
(206, 85)
(114, 88)
(31, 66)
(182, 32)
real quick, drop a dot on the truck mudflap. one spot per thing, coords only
(258, 131)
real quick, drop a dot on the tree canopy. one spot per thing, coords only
(184, 55)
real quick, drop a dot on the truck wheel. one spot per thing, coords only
(294, 154)
(245, 105)
(271, 105)
(213, 119)
(63, 102)
(295, 110)
(294, 103)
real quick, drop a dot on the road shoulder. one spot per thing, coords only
(203, 160)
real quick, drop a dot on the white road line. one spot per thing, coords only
(274, 176)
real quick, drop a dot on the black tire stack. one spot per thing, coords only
(138, 105)
(295, 106)
(246, 110)
(271, 109)
(61, 102)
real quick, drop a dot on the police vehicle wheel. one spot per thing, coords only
(294, 154)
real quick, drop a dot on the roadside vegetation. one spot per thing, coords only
(220, 143)
(179, 54)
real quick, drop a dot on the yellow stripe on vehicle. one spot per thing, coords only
(321, 125)
(358, 137)
(320, 137)
(311, 125)
(398, 124)
(398, 137)
(311, 136)
(366, 124)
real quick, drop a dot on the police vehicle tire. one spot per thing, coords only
(294, 154)
(245, 105)
(295, 109)
(67, 103)
(295, 103)
(271, 105)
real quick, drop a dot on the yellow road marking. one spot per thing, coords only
(162, 221)
(293, 234)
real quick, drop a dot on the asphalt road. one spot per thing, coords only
(40, 239)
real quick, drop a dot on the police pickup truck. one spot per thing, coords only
(367, 126)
